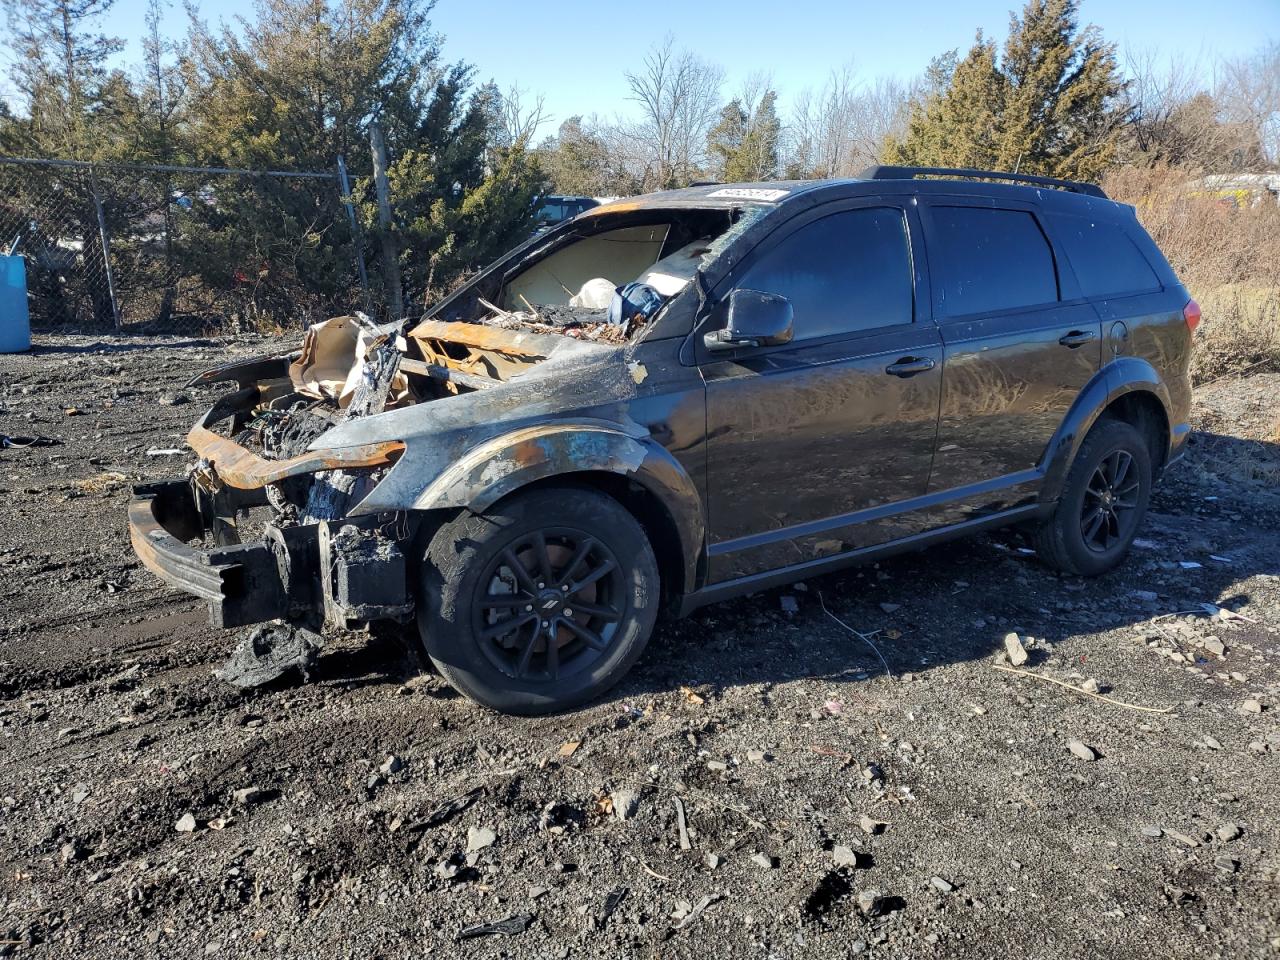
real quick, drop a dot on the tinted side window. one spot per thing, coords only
(847, 272)
(1106, 260)
(987, 260)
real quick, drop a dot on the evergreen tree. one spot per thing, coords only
(960, 126)
(458, 201)
(298, 87)
(72, 105)
(759, 155)
(745, 147)
(59, 68)
(582, 160)
(724, 142)
(1050, 104)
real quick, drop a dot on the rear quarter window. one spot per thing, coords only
(987, 260)
(1105, 258)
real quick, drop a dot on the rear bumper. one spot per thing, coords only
(243, 583)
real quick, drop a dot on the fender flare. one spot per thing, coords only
(1121, 376)
(502, 465)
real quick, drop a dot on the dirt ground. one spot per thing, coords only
(778, 734)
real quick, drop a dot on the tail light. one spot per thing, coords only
(1191, 314)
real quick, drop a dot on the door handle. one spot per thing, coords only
(909, 366)
(1076, 338)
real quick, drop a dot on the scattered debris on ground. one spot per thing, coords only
(831, 780)
(269, 652)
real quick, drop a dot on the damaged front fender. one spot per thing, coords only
(501, 465)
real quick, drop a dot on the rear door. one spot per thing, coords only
(813, 444)
(1019, 343)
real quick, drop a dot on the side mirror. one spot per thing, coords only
(755, 319)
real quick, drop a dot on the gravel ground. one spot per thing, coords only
(828, 809)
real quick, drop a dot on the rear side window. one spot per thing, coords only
(1106, 260)
(847, 272)
(986, 260)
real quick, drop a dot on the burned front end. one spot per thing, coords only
(313, 476)
(259, 527)
(272, 522)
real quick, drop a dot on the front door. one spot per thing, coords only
(813, 445)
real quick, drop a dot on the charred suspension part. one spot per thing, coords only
(364, 574)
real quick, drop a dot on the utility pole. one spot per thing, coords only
(390, 259)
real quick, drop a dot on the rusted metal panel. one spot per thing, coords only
(167, 557)
(245, 470)
(517, 343)
(448, 374)
(241, 583)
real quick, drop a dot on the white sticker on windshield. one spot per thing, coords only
(749, 193)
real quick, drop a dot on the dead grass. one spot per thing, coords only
(102, 483)
(1239, 332)
(1229, 259)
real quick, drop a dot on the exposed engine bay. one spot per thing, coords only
(601, 284)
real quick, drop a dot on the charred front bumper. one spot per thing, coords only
(243, 583)
(277, 577)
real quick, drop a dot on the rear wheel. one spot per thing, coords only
(1103, 502)
(540, 604)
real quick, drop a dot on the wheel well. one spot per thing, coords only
(648, 510)
(1145, 412)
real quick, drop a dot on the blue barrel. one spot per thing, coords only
(15, 323)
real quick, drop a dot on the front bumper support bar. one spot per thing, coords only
(273, 578)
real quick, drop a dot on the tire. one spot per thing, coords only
(471, 595)
(1096, 518)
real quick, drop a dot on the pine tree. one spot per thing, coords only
(724, 142)
(745, 147)
(583, 159)
(760, 146)
(1049, 104)
(71, 110)
(458, 200)
(59, 69)
(1061, 114)
(959, 127)
(296, 88)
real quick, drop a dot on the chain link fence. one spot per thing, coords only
(165, 249)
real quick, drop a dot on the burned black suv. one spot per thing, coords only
(675, 399)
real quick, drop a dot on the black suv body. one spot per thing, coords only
(819, 374)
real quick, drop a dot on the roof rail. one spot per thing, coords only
(910, 173)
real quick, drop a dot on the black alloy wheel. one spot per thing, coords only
(552, 604)
(1102, 503)
(541, 602)
(1108, 512)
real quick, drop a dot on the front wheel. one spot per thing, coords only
(1103, 502)
(541, 603)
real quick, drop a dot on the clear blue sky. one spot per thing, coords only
(574, 51)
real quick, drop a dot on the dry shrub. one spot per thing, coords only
(1228, 257)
